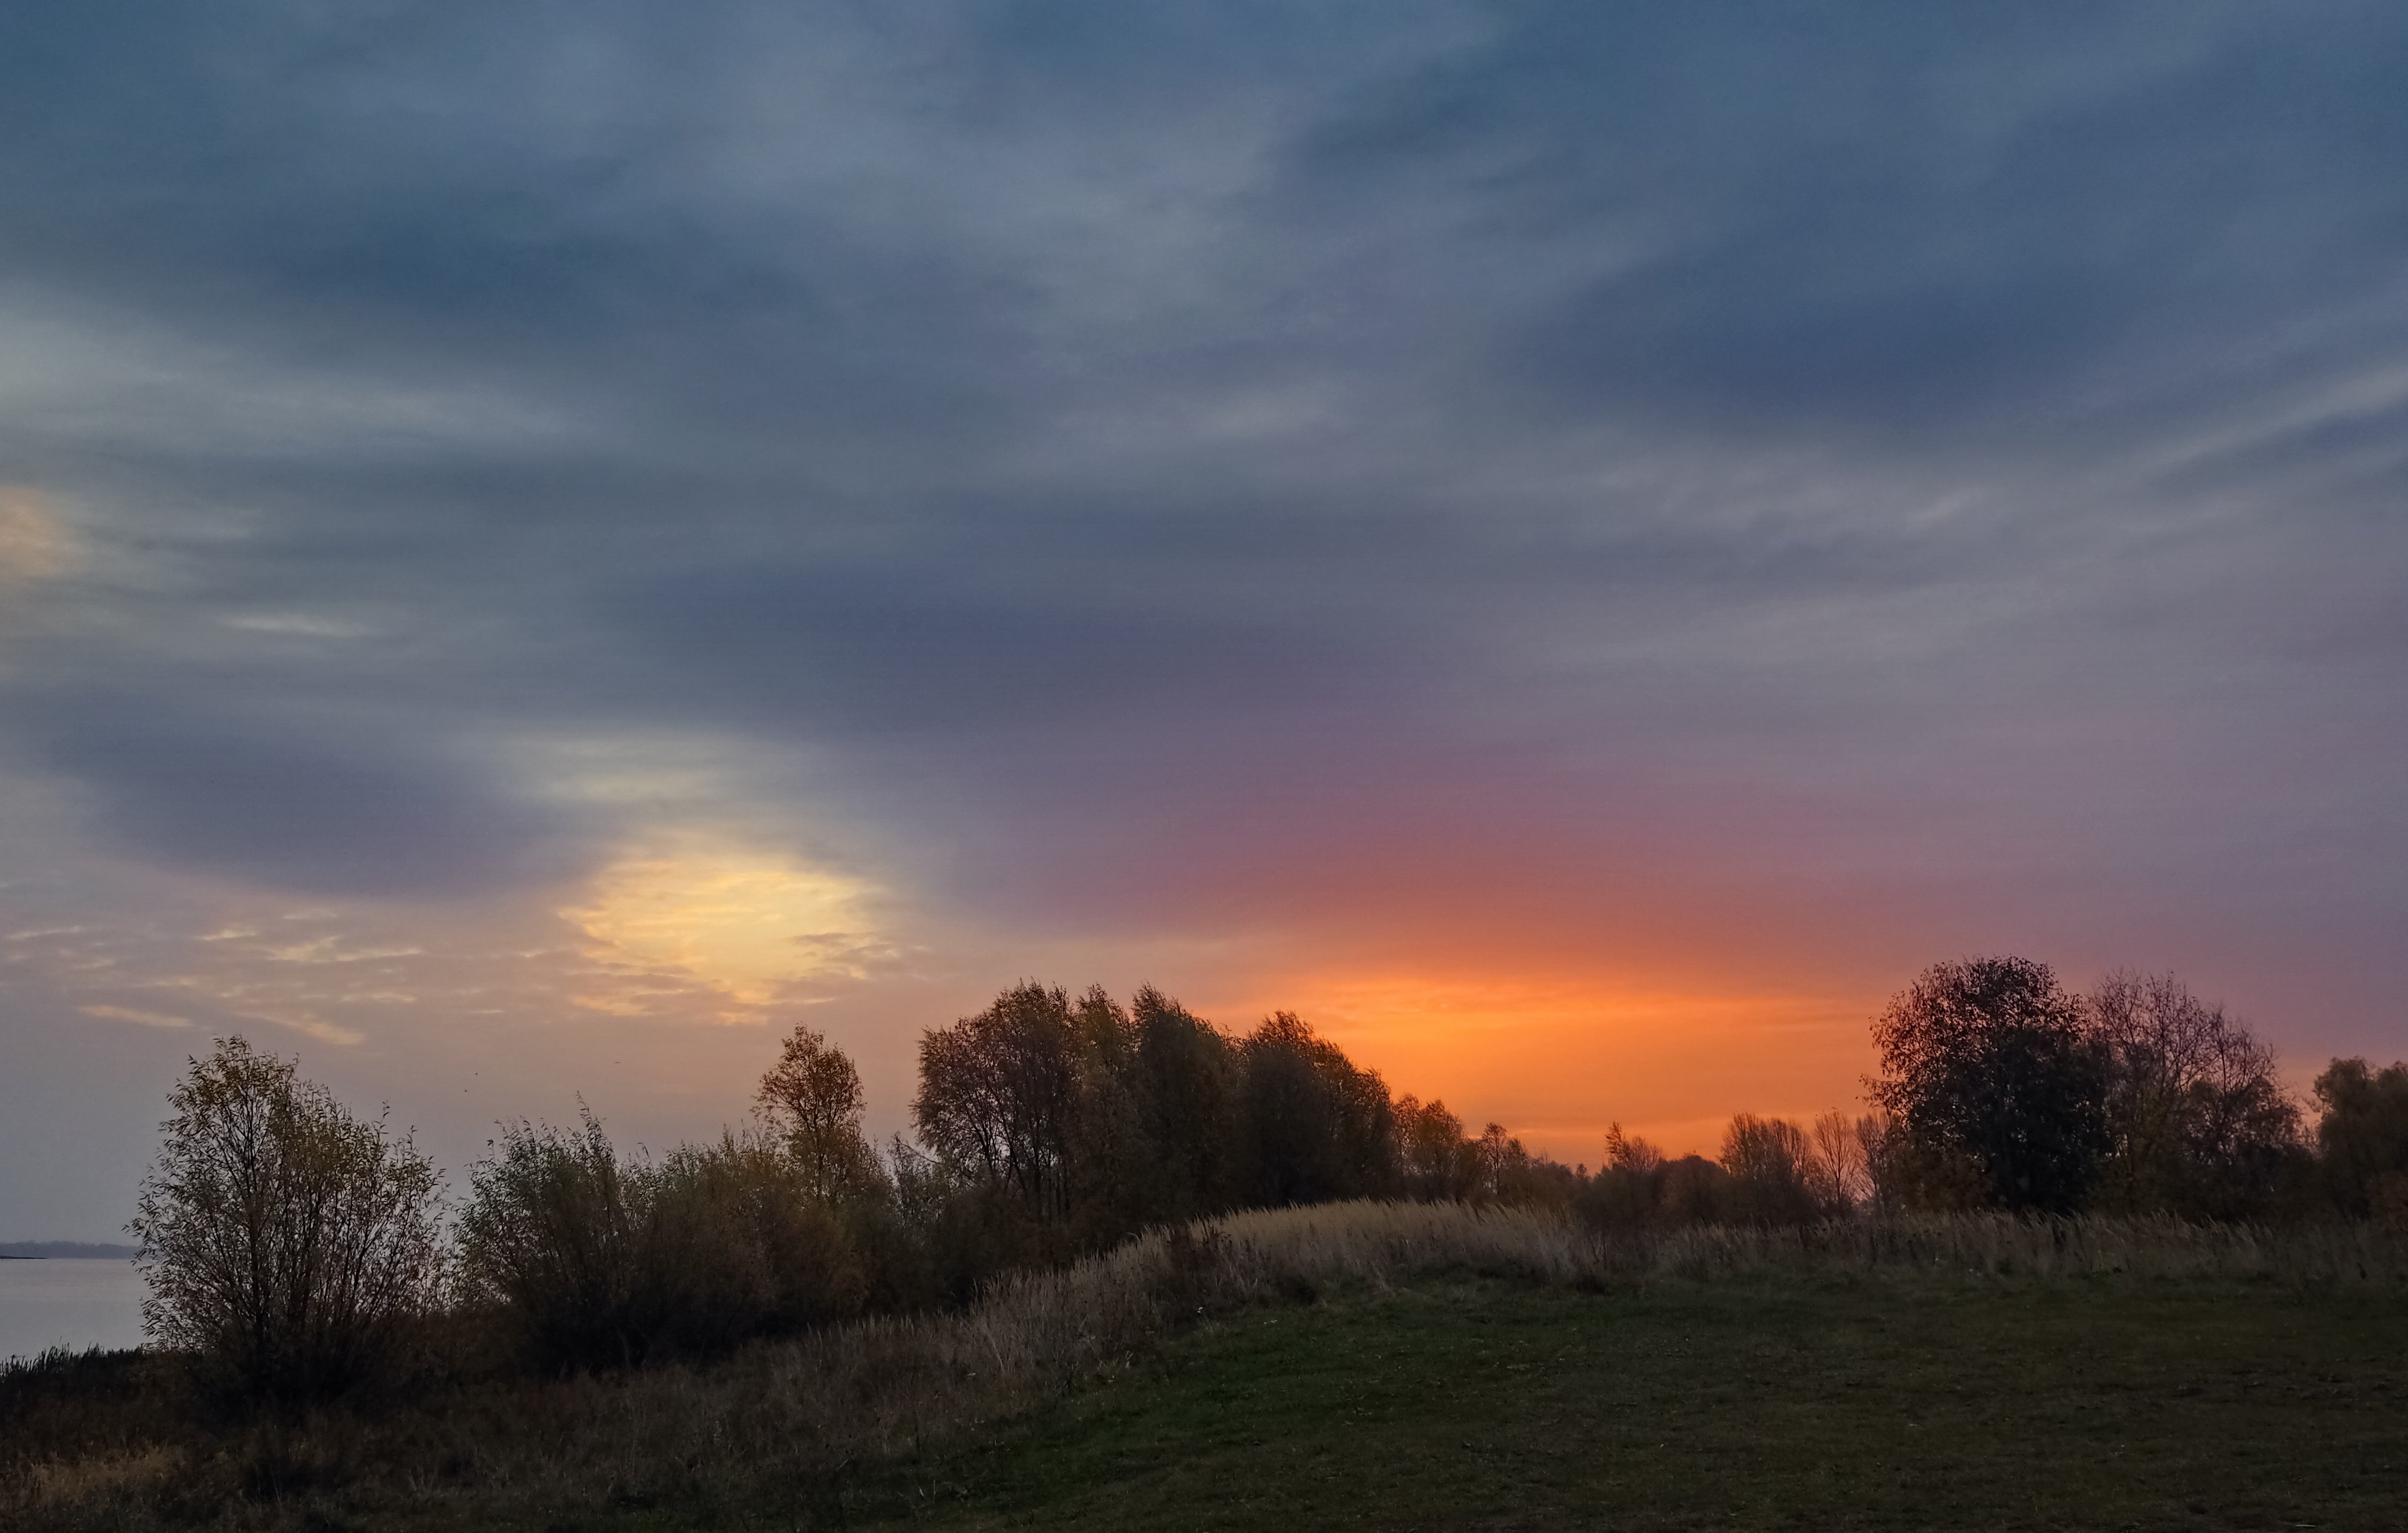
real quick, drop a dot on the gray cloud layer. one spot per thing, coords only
(1922, 444)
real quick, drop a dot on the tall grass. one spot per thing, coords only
(780, 1421)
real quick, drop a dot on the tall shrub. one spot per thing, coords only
(287, 1244)
(553, 1235)
(603, 1260)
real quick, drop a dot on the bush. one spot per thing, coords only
(739, 1245)
(550, 1235)
(288, 1246)
(604, 1262)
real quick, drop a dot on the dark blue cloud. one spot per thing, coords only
(303, 806)
(1898, 218)
(863, 652)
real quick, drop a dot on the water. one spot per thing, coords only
(61, 1303)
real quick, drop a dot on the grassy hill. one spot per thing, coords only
(1384, 1367)
(1817, 1403)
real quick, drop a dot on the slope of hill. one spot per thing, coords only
(1486, 1404)
(1379, 1366)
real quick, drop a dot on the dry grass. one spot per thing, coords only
(780, 1423)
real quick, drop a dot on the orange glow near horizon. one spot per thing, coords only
(1555, 1061)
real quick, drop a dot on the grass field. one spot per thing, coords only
(1379, 1366)
(1890, 1404)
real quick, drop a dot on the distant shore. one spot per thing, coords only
(87, 1250)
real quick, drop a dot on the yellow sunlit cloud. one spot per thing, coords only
(746, 924)
(34, 544)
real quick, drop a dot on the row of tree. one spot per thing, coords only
(2005, 1090)
(296, 1248)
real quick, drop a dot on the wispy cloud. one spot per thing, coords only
(146, 1019)
(1602, 493)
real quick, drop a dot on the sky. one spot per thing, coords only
(1578, 547)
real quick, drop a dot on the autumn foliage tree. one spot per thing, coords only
(811, 1099)
(996, 1094)
(288, 1244)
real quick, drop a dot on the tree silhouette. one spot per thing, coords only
(2363, 1135)
(996, 1094)
(2196, 1120)
(1186, 1087)
(1433, 1154)
(1989, 1074)
(1768, 1160)
(1317, 1126)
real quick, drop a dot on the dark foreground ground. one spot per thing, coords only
(2099, 1404)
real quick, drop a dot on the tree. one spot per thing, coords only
(1436, 1159)
(1694, 1190)
(1626, 1191)
(1882, 1150)
(287, 1244)
(1318, 1127)
(1991, 1076)
(1187, 1096)
(996, 1094)
(2198, 1122)
(1112, 1183)
(813, 1100)
(2362, 1138)
(1838, 1168)
(1631, 1153)
(1767, 1161)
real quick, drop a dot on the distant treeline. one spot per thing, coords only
(293, 1248)
(63, 1250)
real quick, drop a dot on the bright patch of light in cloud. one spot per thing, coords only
(33, 542)
(747, 923)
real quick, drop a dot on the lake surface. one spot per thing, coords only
(59, 1303)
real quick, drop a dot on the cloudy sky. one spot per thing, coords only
(1577, 545)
